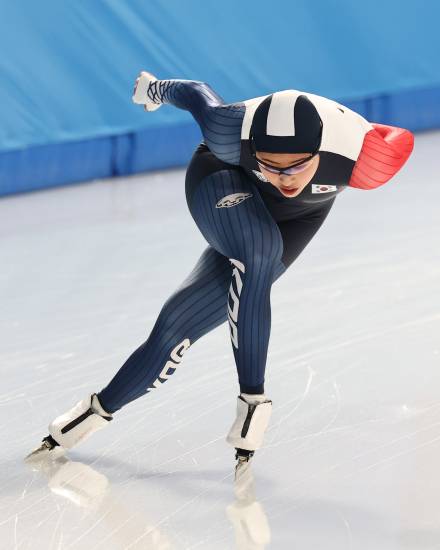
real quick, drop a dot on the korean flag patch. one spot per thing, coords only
(324, 188)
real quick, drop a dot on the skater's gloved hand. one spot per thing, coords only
(144, 91)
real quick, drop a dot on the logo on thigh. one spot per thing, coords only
(234, 299)
(171, 365)
(233, 200)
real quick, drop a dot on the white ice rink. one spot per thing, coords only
(352, 456)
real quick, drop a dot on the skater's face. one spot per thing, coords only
(289, 185)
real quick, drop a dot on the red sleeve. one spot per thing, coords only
(384, 151)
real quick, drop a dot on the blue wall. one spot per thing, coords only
(67, 78)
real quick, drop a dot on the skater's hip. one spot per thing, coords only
(202, 165)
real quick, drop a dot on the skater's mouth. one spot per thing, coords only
(289, 190)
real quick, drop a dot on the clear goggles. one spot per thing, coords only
(294, 168)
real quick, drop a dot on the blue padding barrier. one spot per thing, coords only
(65, 94)
(51, 165)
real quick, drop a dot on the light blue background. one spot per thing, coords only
(68, 68)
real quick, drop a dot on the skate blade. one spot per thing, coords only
(43, 452)
(244, 482)
(242, 470)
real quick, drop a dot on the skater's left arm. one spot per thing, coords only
(220, 123)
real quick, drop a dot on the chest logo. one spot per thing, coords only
(233, 200)
(324, 188)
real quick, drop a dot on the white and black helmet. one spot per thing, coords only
(286, 122)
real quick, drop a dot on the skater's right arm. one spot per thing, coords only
(220, 124)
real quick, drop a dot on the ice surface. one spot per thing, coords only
(352, 455)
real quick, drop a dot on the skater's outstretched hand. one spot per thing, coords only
(144, 91)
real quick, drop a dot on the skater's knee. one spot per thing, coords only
(256, 267)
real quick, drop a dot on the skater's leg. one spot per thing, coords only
(232, 217)
(198, 306)
(296, 234)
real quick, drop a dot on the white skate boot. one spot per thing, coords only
(145, 91)
(247, 431)
(74, 426)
